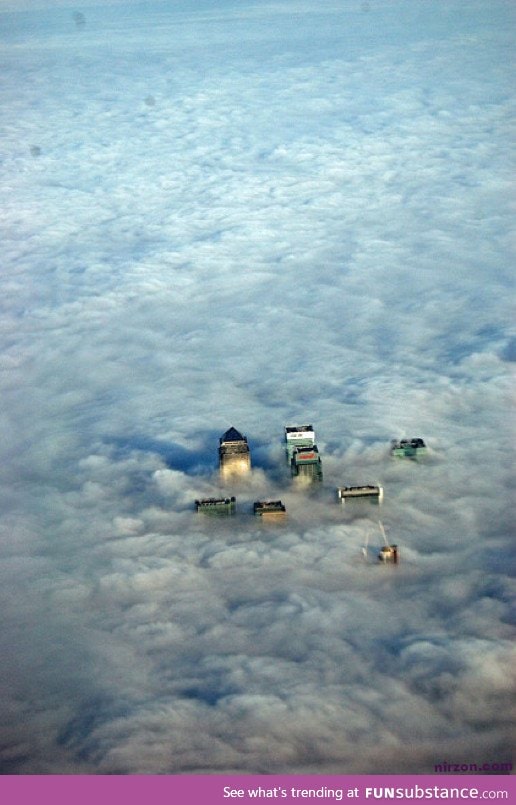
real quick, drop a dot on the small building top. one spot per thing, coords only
(269, 507)
(216, 505)
(416, 443)
(389, 553)
(365, 491)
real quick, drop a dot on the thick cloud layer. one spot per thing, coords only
(255, 214)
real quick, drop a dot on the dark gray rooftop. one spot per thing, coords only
(232, 435)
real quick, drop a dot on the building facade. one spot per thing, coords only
(234, 455)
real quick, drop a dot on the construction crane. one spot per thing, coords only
(388, 553)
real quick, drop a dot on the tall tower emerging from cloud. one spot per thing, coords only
(234, 455)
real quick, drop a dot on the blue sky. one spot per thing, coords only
(253, 215)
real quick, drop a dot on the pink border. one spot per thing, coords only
(220, 789)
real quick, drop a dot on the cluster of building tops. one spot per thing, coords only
(268, 509)
(306, 467)
(234, 464)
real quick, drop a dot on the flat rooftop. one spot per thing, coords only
(268, 507)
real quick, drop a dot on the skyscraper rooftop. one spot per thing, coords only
(234, 455)
(232, 435)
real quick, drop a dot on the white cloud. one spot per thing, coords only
(246, 216)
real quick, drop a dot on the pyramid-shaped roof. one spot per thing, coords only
(232, 435)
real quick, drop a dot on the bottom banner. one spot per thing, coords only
(217, 790)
